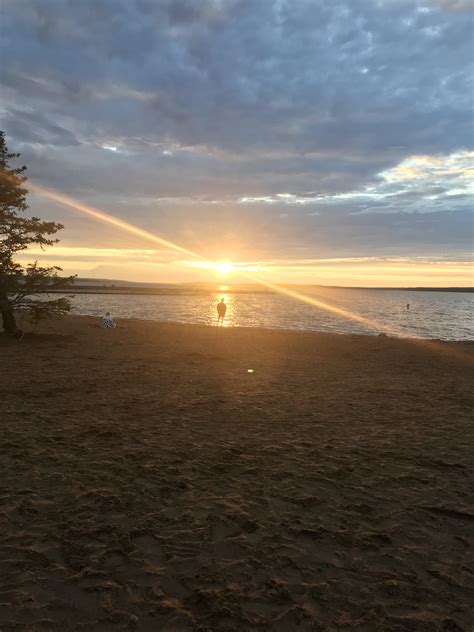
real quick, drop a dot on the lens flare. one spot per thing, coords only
(372, 324)
(225, 266)
(65, 200)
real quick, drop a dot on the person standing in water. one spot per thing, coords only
(221, 310)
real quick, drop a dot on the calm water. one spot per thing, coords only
(442, 315)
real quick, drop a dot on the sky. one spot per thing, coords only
(304, 141)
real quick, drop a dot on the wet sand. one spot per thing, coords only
(149, 482)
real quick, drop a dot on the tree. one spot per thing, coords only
(24, 289)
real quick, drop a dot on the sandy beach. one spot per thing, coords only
(150, 482)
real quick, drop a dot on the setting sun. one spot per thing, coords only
(225, 268)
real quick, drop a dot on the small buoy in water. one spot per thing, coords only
(249, 370)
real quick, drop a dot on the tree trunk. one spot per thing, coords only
(9, 323)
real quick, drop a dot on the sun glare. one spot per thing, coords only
(224, 268)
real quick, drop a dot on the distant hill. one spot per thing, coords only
(110, 283)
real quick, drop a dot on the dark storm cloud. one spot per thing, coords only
(219, 100)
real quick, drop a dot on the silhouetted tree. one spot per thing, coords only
(24, 288)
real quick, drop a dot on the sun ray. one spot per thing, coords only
(97, 214)
(65, 200)
(310, 300)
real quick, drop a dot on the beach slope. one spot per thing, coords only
(186, 478)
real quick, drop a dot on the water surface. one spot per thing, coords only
(442, 315)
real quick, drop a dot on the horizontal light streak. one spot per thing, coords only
(235, 266)
(335, 270)
(113, 253)
(131, 253)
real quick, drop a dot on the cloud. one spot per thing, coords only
(169, 113)
(455, 5)
(36, 129)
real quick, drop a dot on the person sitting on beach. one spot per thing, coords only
(221, 310)
(107, 322)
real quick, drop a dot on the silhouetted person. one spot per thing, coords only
(408, 305)
(221, 310)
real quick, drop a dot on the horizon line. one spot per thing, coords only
(99, 282)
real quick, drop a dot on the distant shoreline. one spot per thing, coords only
(153, 291)
(186, 291)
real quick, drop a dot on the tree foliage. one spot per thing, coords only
(24, 289)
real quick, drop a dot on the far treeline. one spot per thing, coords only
(176, 290)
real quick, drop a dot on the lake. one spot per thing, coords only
(441, 315)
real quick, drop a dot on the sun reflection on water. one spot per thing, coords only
(229, 301)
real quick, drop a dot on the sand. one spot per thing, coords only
(149, 482)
